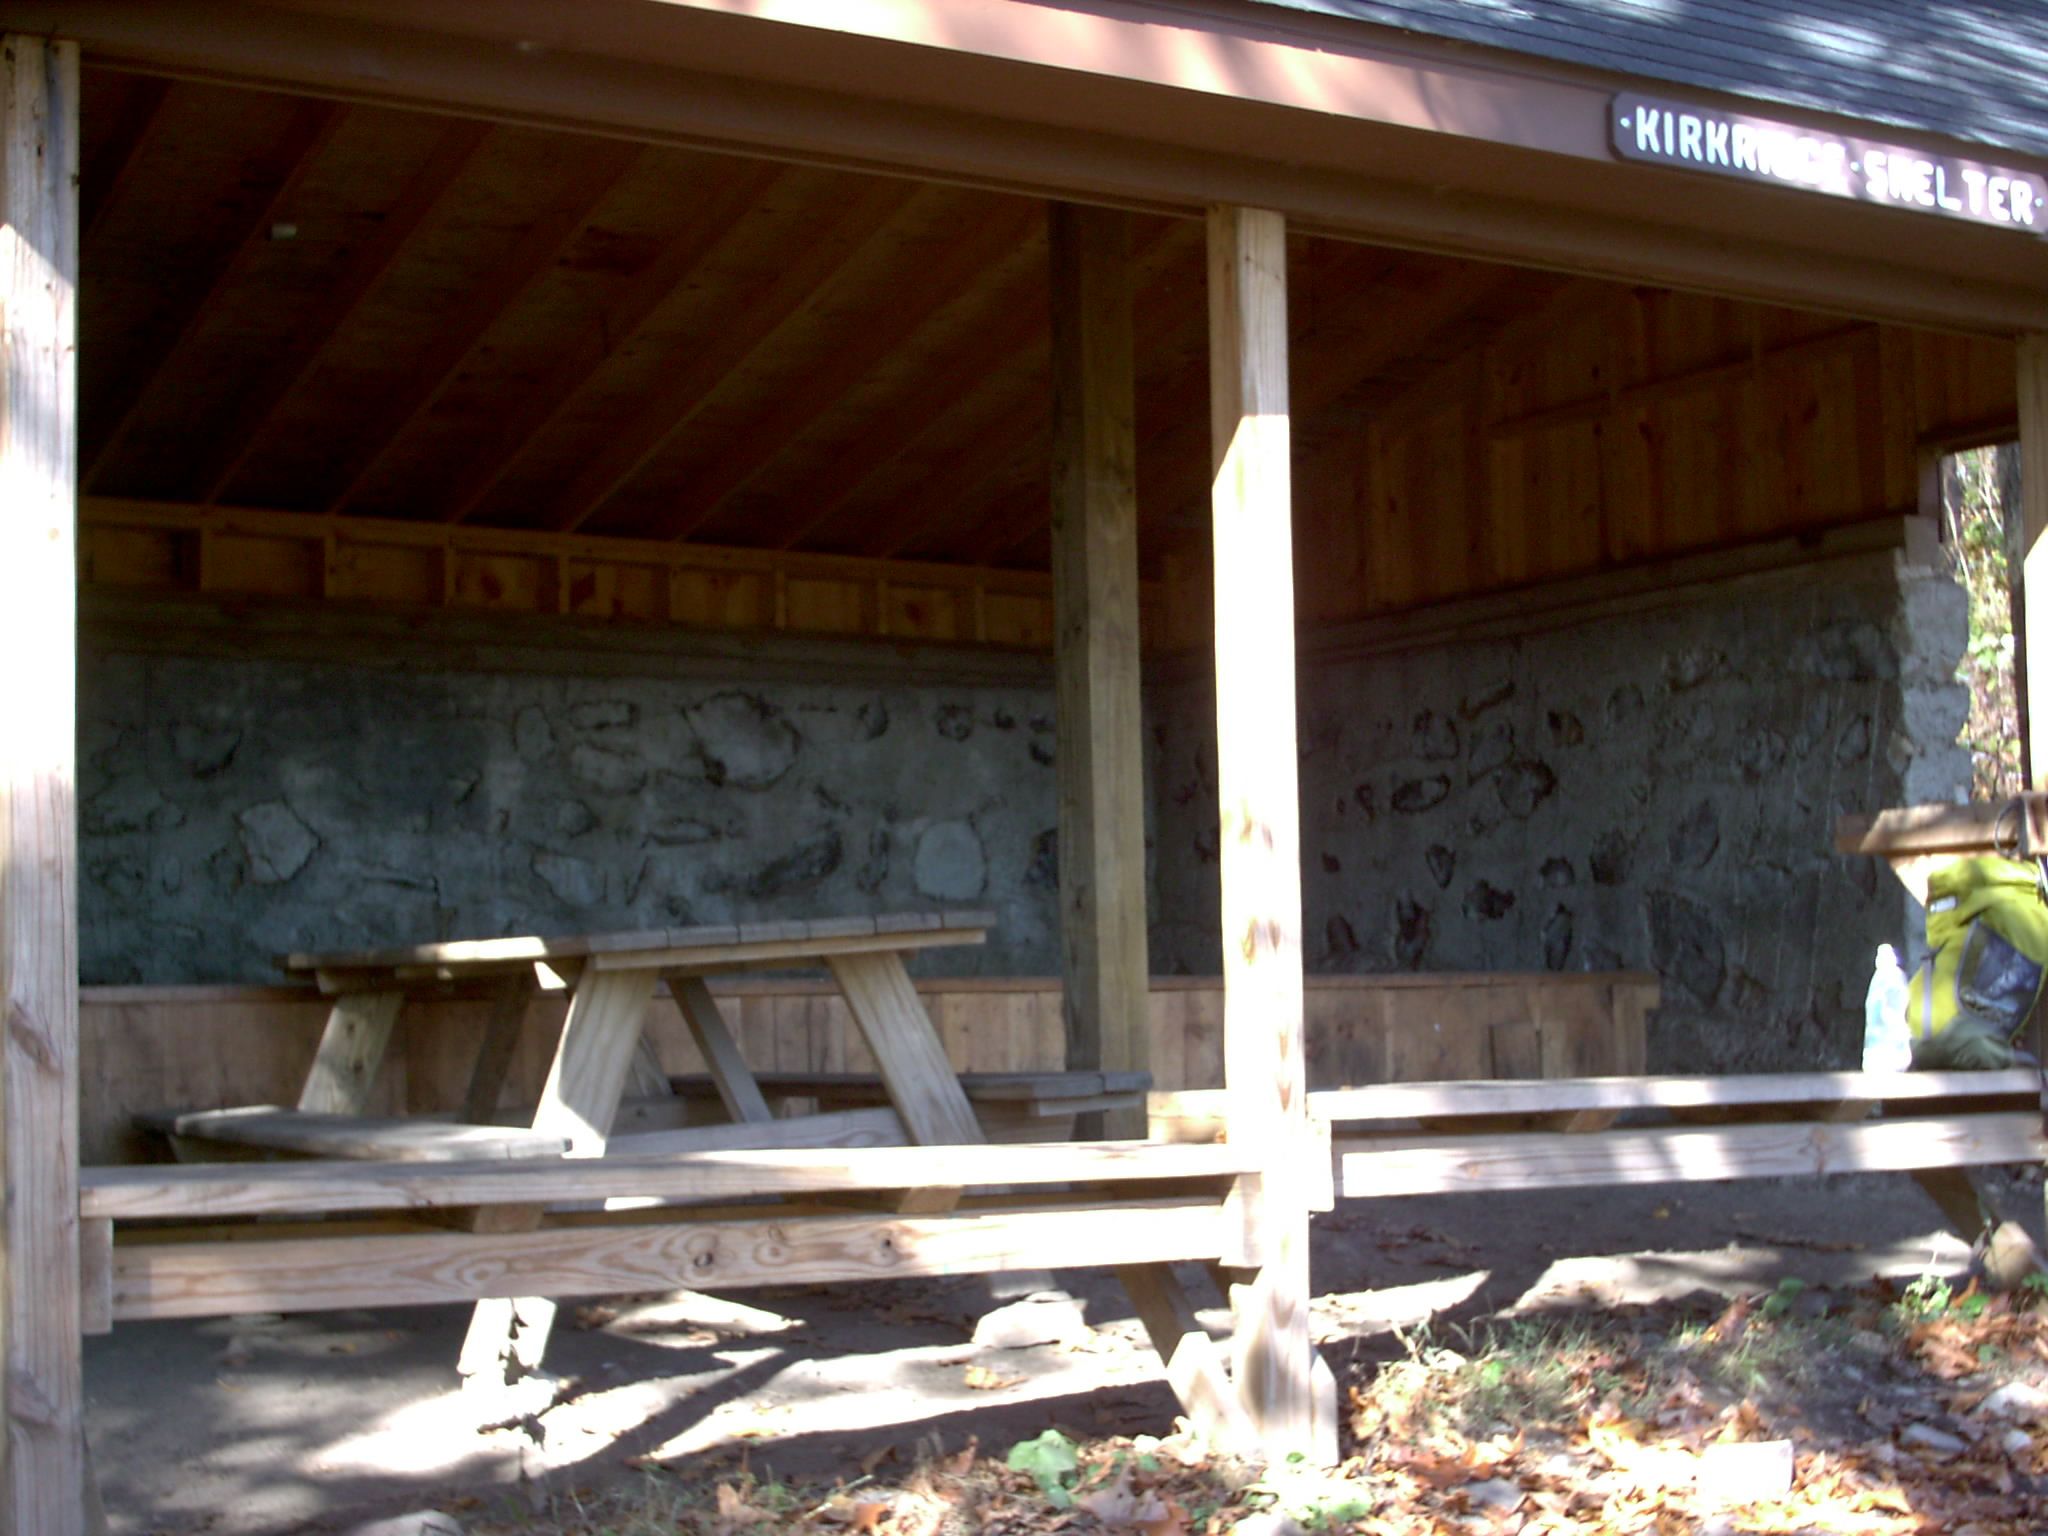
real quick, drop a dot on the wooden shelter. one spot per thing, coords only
(928, 335)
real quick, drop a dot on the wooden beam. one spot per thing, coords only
(1259, 803)
(693, 372)
(1096, 654)
(1376, 1166)
(1406, 1101)
(719, 207)
(209, 1191)
(350, 1051)
(296, 152)
(962, 479)
(1374, 330)
(881, 329)
(202, 1278)
(107, 175)
(508, 1331)
(2020, 826)
(41, 1455)
(454, 151)
(2033, 678)
(737, 1089)
(494, 1053)
(963, 381)
(558, 225)
(1338, 174)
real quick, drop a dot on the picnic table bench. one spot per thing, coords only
(361, 1210)
(1596, 1132)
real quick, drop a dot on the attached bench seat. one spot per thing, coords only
(303, 1133)
(1012, 1107)
(1433, 1138)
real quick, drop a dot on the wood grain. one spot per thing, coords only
(303, 1134)
(205, 1278)
(351, 1049)
(731, 1076)
(250, 1189)
(1096, 647)
(42, 1469)
(1539, 1160)
(1259, 800)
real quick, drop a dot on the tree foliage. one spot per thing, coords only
(1979, 494)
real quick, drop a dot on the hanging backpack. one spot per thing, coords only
(1987, 931)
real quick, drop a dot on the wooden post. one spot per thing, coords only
(1267, 1096)
(1095, 649)
(42, 1466)
(2030, 592)
(2033, 649)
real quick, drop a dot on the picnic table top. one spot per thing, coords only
(702, 944)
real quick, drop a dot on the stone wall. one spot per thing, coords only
(234, 810)
(1655, 790)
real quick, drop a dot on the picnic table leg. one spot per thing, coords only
(2004, 1251)
(494, 1055)
(919, 1079)
(351, 1049)
(737, 1088)
(508, 1335)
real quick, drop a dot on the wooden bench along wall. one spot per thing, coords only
(149, 1048)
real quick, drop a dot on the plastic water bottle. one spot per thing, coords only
(1887, 1047)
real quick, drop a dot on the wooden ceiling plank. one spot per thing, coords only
(1323, 376)
(312, 128)
(599, 169)
(718, 214)
(694, 371)
(113, 168)
(950, 382)
(1016, 518)
(970, 463)
(884, 329)
(452, 154)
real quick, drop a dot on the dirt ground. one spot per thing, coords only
(326, 1422)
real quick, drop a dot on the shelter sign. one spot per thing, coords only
(1757, 149)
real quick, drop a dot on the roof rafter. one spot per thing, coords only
(694, 371)
(950, 382)
(977, 463)
(453, 152)
(881, 333)
(313, 126)
(559, 224)
(108, 175)
(717, 216)
(1321, 376)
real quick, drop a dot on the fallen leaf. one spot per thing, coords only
(962, 1462)
(875, 1458)
(868, 1516)
(981, 1379)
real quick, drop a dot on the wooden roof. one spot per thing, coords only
(321, 307)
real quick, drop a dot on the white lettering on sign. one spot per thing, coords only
(1757, 149)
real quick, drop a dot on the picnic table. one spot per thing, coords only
(611, 980)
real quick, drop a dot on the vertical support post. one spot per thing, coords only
(1095, 649)
(2033, 678)
(1260, 810)
(42, 1465)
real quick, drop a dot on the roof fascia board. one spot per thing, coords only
(357, 50)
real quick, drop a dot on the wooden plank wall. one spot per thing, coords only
(1623, 425)
(147, 1048)
(288, 557)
